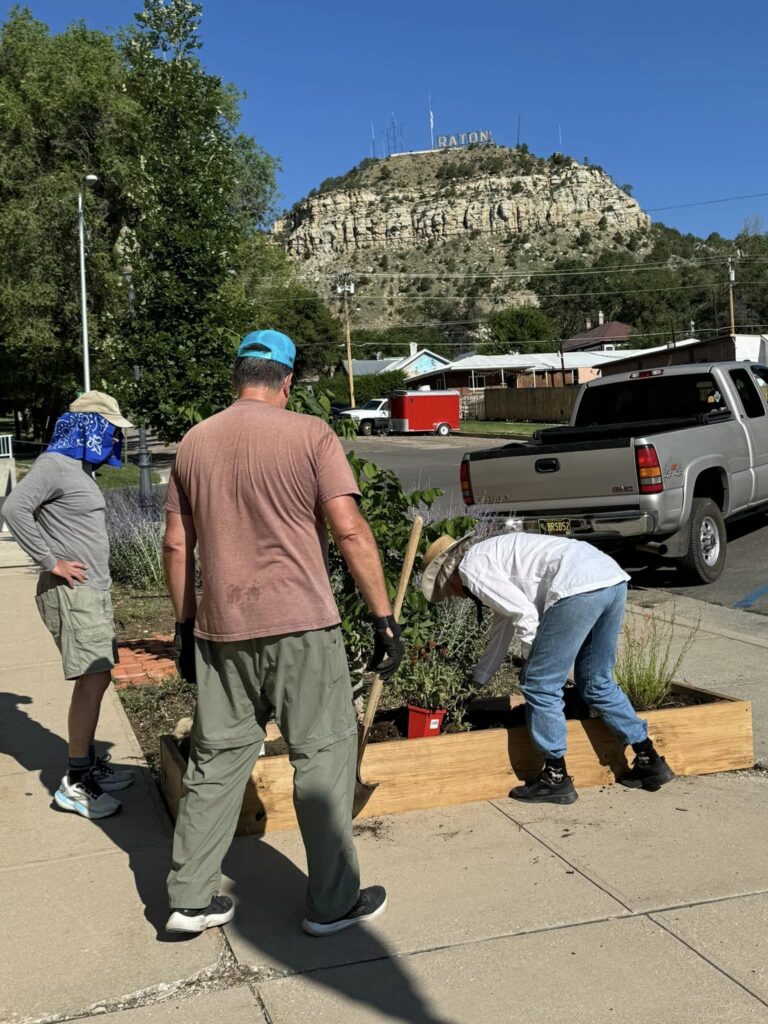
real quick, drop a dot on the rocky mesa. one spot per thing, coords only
(411, 200)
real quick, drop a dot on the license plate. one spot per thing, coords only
(555, 526)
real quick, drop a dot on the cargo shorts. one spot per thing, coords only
(81, 621)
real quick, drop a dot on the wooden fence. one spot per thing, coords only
(536, 405)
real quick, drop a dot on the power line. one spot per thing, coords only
(707, 202)
(629, 268)
(529, 341)
(407, 298)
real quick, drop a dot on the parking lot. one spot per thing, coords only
(428, 461)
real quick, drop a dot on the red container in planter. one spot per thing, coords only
(423, 722)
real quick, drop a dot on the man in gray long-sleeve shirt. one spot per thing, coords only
(57, 515)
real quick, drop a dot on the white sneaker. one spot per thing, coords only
(85, 797)
(108, 776)
(219, 911)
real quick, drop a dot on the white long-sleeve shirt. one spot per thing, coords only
(519, 576)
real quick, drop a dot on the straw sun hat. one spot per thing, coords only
(105, 405)
(439, 563)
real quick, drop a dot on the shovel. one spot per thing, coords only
(363, 790)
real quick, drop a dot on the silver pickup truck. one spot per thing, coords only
(659, 458)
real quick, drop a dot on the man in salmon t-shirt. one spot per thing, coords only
(252, 488)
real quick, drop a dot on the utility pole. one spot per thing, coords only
(731, 283)
(562, 362)
(345, 287)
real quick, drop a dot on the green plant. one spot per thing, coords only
(645, 667)
(434, 673)
(389, 511)
(135, 540)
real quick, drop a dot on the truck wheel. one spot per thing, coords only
(442, 430)
(366, 428)
(384, 429)
(705, 557)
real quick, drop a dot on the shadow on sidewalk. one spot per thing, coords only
(270, 895)
(141, 829)
(270, 890)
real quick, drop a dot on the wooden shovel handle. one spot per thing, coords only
(402, 587)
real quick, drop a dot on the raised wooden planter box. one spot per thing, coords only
(462, 767)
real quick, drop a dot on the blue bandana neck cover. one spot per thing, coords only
(87, 437)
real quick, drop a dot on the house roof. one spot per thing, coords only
(366, 367)
(529, 361)
(747, 347)
(403, 361)
(613, 331)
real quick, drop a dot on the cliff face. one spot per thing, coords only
(566, 202)
(439, 235)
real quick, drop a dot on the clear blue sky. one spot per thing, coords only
(668, 96)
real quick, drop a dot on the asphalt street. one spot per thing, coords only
(428, 461)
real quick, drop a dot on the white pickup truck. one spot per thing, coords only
(370, 418)
(658, 458)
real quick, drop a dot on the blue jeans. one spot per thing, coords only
(582, 631)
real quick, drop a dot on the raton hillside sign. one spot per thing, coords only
(463, 139)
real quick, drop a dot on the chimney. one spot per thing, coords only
(414, 348)
(589, 324)
(600, 318)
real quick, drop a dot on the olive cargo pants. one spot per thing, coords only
(304, 677)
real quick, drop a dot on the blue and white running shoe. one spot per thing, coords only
(85, 797)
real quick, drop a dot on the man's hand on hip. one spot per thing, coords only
(70, 572)
(184, 643)
(388, 647)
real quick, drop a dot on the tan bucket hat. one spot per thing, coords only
(105, 405)
(440, 560)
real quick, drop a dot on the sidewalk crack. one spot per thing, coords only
(571, 864)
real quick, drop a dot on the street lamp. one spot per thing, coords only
(89, 179)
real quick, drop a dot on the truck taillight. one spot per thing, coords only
(466, 483)
(648, 469)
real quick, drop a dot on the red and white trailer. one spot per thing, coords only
(424, 412)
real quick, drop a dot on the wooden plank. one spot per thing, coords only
(464, 767)
(172, 768)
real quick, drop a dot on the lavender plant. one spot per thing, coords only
(135, 540)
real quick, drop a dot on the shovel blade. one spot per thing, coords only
(363, 793)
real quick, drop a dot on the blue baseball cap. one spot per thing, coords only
(268, 345)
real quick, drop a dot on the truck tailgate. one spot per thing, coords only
(537, 477)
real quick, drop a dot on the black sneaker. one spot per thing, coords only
(548, 788)
(219, 911)
(371, 903)
(649, 771)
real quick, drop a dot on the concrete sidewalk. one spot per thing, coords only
(647, 906)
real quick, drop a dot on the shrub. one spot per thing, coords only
(645, 667)
(374, 385)
(389, 512)
(135, 540)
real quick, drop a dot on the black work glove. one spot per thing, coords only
(184, 646)
(387, 650)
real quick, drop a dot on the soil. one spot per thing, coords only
(154, 710)
(138, 615)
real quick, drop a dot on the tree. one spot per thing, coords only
(63, 113)
(199, 190)
(266, 281)
(519, 328)
(180, 192)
